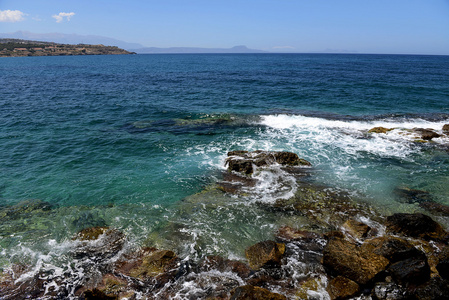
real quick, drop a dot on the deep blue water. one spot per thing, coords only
(122, 140)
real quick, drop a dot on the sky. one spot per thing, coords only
(362, 26)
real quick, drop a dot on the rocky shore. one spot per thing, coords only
(348, 251)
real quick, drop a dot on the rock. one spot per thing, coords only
(446, 128)
(243, 161)
(415, 225)
(435, 208)
(410, 270)
(342, 288)
(443, 263)
(379, 130)
(435, 289)
(359, 264)
(289, 234)
(113, 287)
(426, 134)
(249, 292)
(389, 291)
(96, 294)
(24, 209)
(309, 285)
(148, 263)
(224, 265)
(393, 248)
(265, 254)
(99, 242)
(357, 230)
(408, 195)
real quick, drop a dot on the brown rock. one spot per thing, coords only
(225, 265)
(356, 229)
(443, 263)
(415, 225)
(249, 292)
(96, 294)
(90, 234)
(408, 195)
(446, 128)
(379, 130)
(356, 263)
(392, 248)
(99, 242)
(426, 134)
(435, 208)
(411, 270)
(265, 254)
(341, 288)
(289, 234)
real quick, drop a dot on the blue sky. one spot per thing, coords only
(376, 26)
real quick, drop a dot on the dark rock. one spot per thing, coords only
(342, 288)
(410, 270)
(289, 234)
(234, 184)
(99, 242)
(249, 292)
(435, 208)
(96, 294)
(224, 265)
(435, 289)
(446, 128)
(393, 248)
(147, 263)
(243, 161)
(426, 134)
(24, 209)
(389, 291)
(265, 254)
(359, 264)
(356, 229)
(379, 130)
(443, 263)
(411, 196)
(415, 225)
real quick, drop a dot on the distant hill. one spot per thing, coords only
(70, 39)
(18, 47)
(155, 50)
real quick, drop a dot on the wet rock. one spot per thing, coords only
(342, 288)
(411, 270)
(408, 195)
(249, 292)
(446, 128)
(114, 287)
(210, 286)
(243, 161)
(426, 134)
(149, 263)
(435, 208)
(235, 184)
(443, 263)
(23, 209)
(99, 242)
(359, 264)
(389, 291)
(289, 234)
(96, 294)
(379, 130)
(306, 287)
(356, 229)
(415, 225)
(435, 289)
(393, 248)
(225, 265)
(265, 254)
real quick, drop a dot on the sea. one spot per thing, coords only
(139, 142)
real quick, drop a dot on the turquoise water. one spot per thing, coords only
(129, 141)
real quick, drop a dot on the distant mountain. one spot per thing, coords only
(155, 50)
(70, 39)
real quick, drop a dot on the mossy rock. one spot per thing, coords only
(380, 130)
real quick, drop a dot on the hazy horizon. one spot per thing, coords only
(383, 27)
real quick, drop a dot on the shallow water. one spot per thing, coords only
(138, 142)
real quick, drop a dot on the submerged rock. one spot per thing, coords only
(415, 225)
(249, 292)
(265, 254)
(435, 208)
(408, 195)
